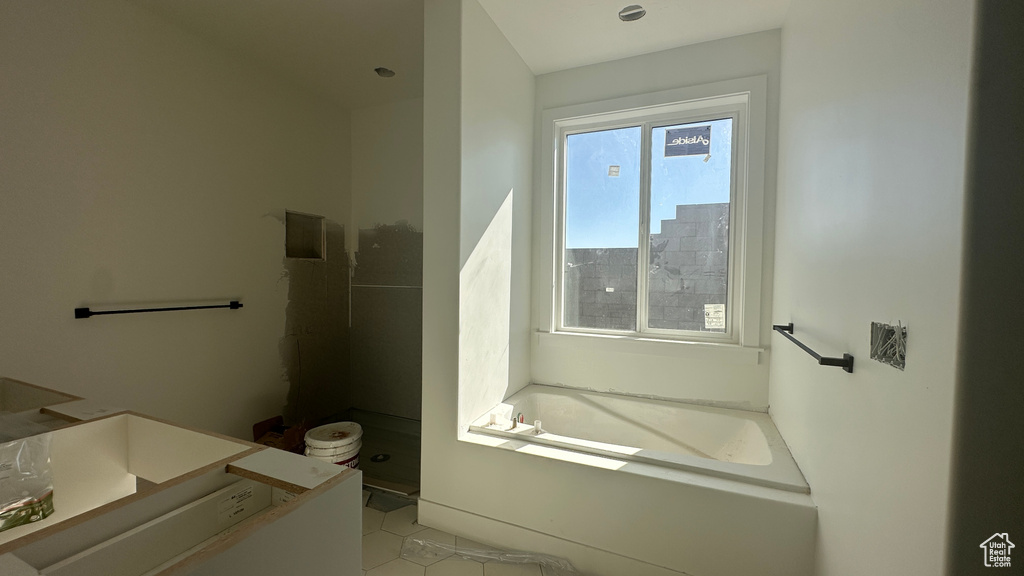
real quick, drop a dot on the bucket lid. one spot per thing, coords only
(334, 435)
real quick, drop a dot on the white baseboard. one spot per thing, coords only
(588, 560)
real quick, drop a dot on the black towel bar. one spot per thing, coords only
(846, 362)
(86, 313)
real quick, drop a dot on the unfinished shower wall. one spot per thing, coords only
(315, 348)
(386, 236)
(387, 315)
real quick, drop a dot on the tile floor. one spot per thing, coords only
(385, 533)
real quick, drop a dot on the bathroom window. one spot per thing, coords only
(656, 223)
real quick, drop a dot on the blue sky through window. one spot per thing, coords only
(603, 210)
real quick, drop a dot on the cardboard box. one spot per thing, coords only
(272, 432)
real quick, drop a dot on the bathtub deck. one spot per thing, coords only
(768, 464)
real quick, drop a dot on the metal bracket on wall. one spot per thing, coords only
(86, 312)
(846, 362)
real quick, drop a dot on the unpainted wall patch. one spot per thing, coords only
(889, 344)
(315, 346)
(389, 254)
(387, 313)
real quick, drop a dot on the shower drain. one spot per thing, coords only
(380, 457)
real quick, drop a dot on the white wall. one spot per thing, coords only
(495, 200)
(387, 166)
(142, 166)
(734, 380)
(873, 117)
(478, 137)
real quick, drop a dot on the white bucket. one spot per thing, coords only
(348, 456)
(338, 443)
(332, 452)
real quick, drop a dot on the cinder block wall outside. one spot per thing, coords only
(689, 268)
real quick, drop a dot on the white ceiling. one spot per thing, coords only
(553, 35)
(332, 46)
(329, 46)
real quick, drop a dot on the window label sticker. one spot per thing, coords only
(691, 141)
(714, 316)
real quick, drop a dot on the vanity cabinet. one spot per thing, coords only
(138, 496)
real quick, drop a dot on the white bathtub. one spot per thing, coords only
(734, 444)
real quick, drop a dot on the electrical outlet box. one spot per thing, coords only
(889, 344)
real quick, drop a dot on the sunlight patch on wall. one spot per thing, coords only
(485, 297)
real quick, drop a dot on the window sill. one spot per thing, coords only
(613, 344)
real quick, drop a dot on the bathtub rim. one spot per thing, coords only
(782, 473)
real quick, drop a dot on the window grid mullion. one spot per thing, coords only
(561, 160)
(644, 241)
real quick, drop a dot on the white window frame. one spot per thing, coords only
(743, 99)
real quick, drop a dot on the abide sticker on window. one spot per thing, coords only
(688, 141)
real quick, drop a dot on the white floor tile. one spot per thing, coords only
(380, 547)
(455, 566)
(372, 519)
(428, 555)
(500, 569)
(366, 497)
(385, 534)
(397, 567)
(402, 522)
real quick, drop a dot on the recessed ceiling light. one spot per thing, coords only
(384, 72)
(632, 13)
